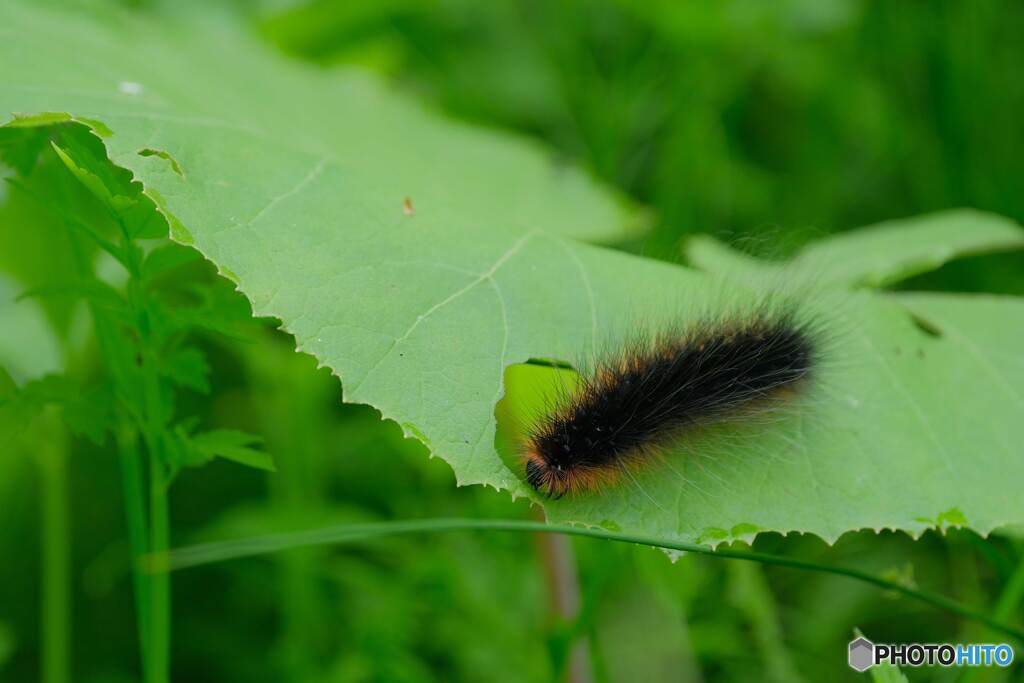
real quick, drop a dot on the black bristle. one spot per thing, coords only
(656, 389)
(534, 474)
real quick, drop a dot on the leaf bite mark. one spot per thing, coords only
(551, 363)
(745, 529)
(712, 536)
(527, 387)
(415, 432)
(744, 532)
(150, 152)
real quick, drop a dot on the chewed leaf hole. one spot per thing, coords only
(551, 363)
(531, 388)
(149, 152)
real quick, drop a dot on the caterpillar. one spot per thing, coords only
(634, 404)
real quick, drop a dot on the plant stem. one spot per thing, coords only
(298, 581)
(153, 426)
(298, 593)
(56, 609)
(135, 515)
(152, 593)
(160, 585)
(347, 533)
(559, 564)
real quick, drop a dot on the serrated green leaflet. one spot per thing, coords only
(421, 312)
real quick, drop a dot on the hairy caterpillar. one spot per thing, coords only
(632, 405)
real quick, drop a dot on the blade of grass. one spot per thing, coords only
(347, 533)
(558, 561)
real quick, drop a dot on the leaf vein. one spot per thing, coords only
(482, 277)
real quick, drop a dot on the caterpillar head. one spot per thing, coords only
(553, 481)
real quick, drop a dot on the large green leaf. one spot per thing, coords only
(161, 84)
(420, 315)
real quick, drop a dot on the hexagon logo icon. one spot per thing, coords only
(862, 654)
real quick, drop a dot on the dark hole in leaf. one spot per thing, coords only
(550, 363)
(926, 327)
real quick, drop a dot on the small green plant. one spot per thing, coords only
(146, 313)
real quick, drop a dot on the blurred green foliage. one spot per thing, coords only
(767, 122)
(789, 118)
